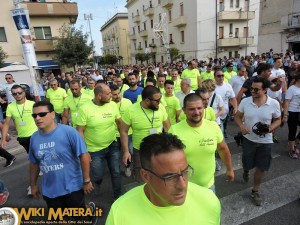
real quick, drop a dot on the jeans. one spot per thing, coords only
(2, 187)
(112, 155)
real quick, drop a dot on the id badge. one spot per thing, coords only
(153, 131)
(22, 123)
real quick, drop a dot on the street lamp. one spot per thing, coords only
(89, 17)
(126, 46)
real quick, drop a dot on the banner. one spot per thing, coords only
(22, 24)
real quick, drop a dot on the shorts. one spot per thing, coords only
(256, 155)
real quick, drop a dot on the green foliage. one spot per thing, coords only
(142, 57)
(174, 54)
(110, 59)
(3, 56)
(71, 47)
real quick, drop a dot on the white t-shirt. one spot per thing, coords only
(277, 73)
(226, 92)
(236, 83)
(7, 88)
(97, 77)
(180, 95)
(217, 104)
(275, 94)
(293, 94)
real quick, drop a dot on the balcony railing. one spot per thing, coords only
(43, 45)
(149, 11)
(180, 21)
(236, 15)
(136, 19)
(227, 42)
(133, 36)
(291, 21)
(166, 3)
(143, 33)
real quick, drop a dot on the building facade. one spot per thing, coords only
(198, 28)
(115, 38)
(46, 17)
(280, 26)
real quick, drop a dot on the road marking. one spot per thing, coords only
(238, 207)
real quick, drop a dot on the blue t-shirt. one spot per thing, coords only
(57, 154)
(133, 95)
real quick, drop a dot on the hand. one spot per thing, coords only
(126, 157)
(35, 191)
(88, 188)
(3, 143)
(244, 130)
(229, 175)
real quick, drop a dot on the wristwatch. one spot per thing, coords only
(86, 181)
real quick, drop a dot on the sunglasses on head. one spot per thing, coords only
(41, 114)
(17, 93)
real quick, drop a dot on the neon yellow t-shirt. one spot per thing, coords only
(173, 105)
(74, 104)
(122, 75)
(193, 76)
(206, 75)
(122, 106)
(201, 144)
(209, 114)
(124, 88)
(140, 121)
(57, 98)
(177, 87)
(89, 92)
(99, 122)
(168, 77)
(25, 124)
(162, 90)
(201, 207)
(228, 76)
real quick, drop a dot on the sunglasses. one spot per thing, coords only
(41, 114)
(220, 75)
(17, 93)
(155, 100)
(255, 89)
(7, 78)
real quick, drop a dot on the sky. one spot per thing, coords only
(102, 11)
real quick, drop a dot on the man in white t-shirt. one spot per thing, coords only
(185, 86)
(238, 80)
(279, 73)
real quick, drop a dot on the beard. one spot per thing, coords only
(153, 107)
(195, 121)
(132, 84)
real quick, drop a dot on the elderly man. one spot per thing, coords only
(185, 86)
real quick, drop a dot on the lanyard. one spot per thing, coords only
(21, 115)
(76, 105)
(151, 121)
(120, 105)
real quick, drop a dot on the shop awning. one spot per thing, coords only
(48, 64)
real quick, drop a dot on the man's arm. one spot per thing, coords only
(81, 130)
(4, 132)
(199, 81)
(85, 160)
(124, 141)
(285, 110)
(225, 155)
(238, 118)
(177, 115)
(34, 170)
(240, 95)
(166, 125)
(233, 102)
(65, 116)
(275, 124)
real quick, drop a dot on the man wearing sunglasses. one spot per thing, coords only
(257, 148)
(166, 197)
(9, 83)
(20, 110)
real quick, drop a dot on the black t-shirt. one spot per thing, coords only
(248, 83)
(62, 82)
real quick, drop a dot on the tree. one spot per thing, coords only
(174, 54)
(3, 56)
(142, 57)
(110, 59)
(71, 47)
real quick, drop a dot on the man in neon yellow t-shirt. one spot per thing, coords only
(167, 198)
(96, 123)
(90, 90)
(192, 72)
(56, 96)
(73, 103)
(176, 79)
(208, 74)
(145, 118)
(119, 82)
(201, 138)
(172, 102)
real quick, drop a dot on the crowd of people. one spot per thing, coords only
(164, 123)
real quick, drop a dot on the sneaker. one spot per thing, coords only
(296, 150)
(4, 197)
(94, 218)
(246, 176)
(293, 154)
(256, 198)
(10, 162)
(218, 166)
(29, 191)
(127, 171)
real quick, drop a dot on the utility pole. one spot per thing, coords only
(89, 17)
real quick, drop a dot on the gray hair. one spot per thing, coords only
(187, 80)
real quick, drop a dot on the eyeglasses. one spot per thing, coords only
(155, 100)
(41, 114)
(220, 75)
(171, 179)
(255, 89)
(17, 93)
(8, 78)
(53, 85)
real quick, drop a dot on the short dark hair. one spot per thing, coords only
(151, 79)
(263, 67)
(133, 74)
(156, 144)
(44, 103)
(264, 81)
(113, 87)
(75, 82)
(149, 91)
(98, 89)
(202, 90)
(191, 98)
(277, 58)
(169, 82)
(16, 86)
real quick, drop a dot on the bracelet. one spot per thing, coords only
(86, 181)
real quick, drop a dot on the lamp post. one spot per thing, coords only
(89, 17)
(126, 46)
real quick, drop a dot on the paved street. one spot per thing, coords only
(280, 189)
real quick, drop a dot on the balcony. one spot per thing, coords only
(133, 36)
(291, 21)
(143, 33)
(180, 21)
(43, 45)
(149, 11)
(166, 3)
(228, 42)
(136, 19)
(152, 45)
(236, 15)
(139, 50)
(53, 9)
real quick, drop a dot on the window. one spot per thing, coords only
(159, 1)
(2, 35)
(221, 6)
(171, 39)
(236, 54)
(162, 59)
(139, 29)
(145, 26)
(146, 44)
(133, 30)
(170, 15)
(182, 36)
(231, 3)
(152, 40)
(230, 54)
(151, 24)
(159, 17)
(237, 4)
(230, 29)
(236, 34)
(140, 45)
(134, 44)
(137, 12)
(42, 33)
(181, 9)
